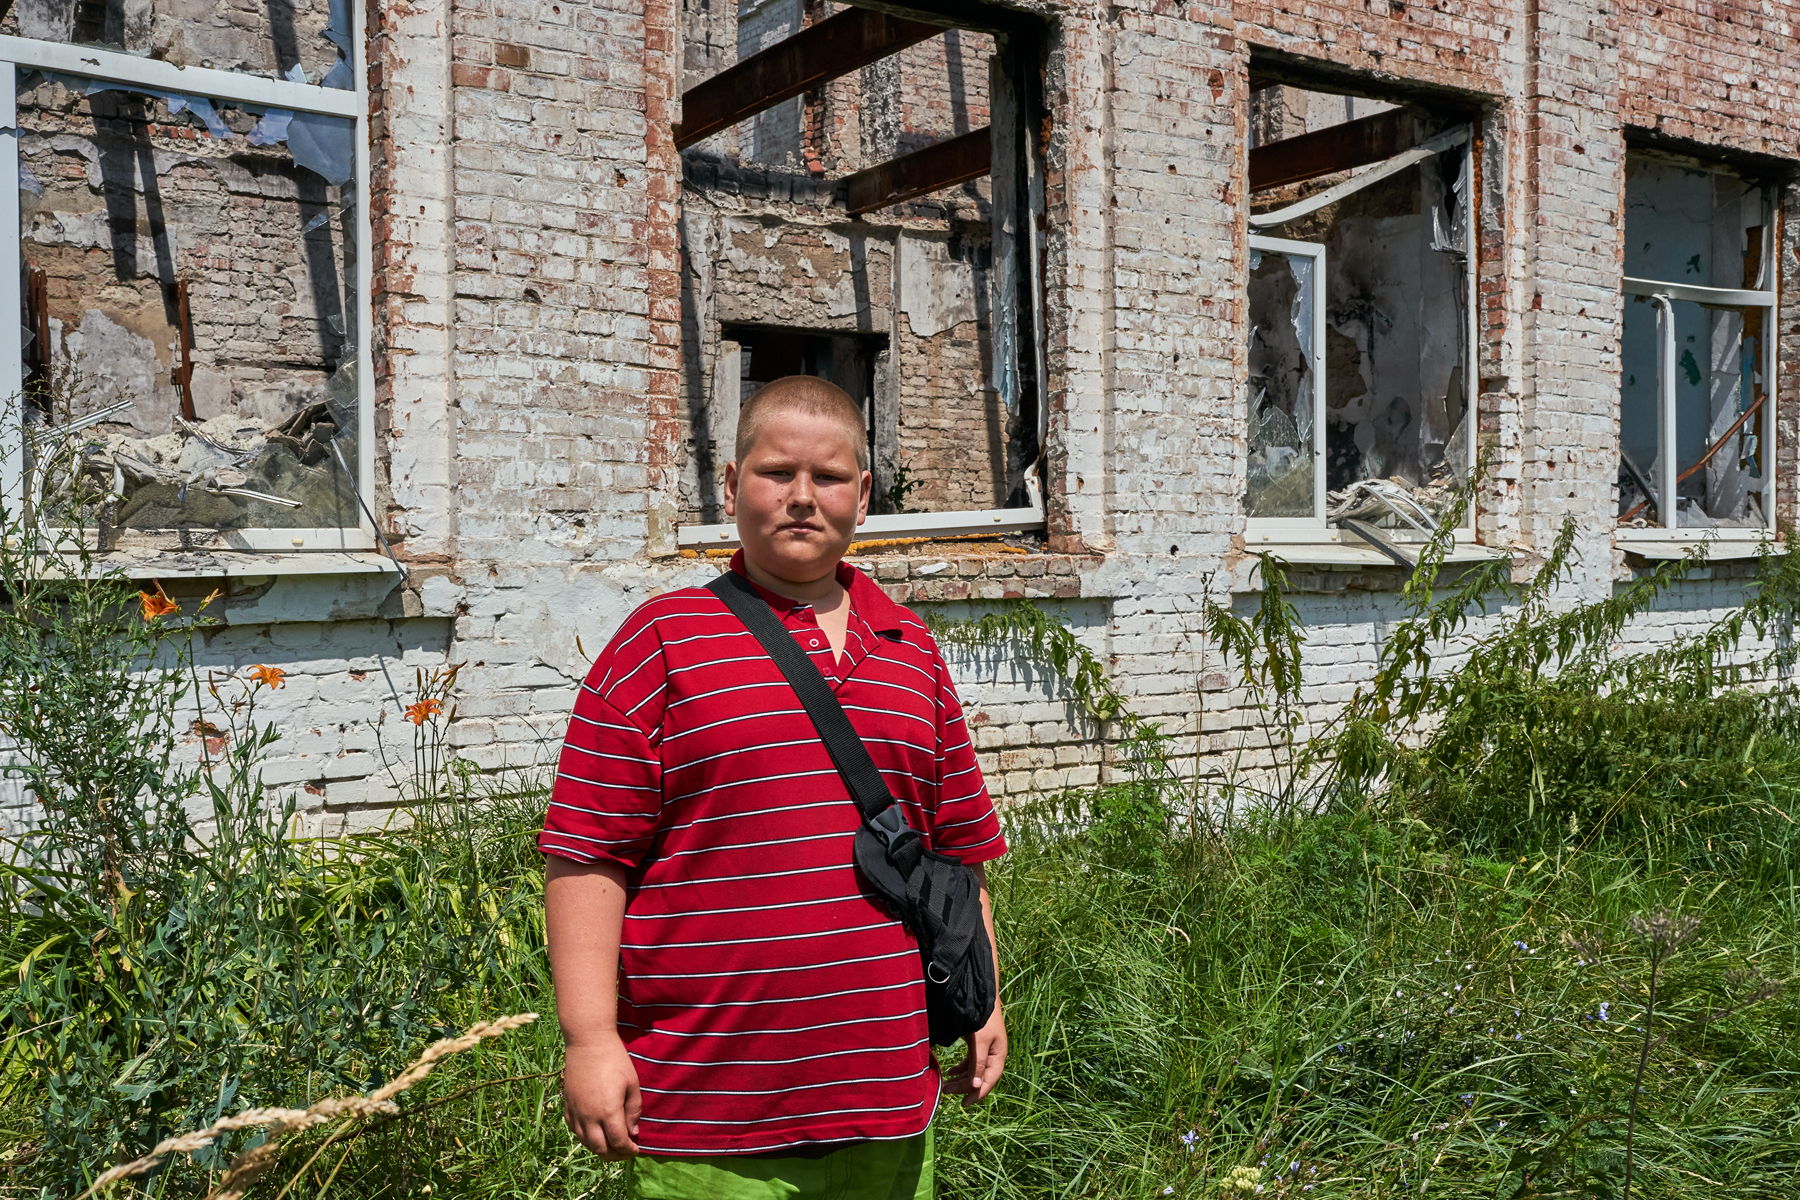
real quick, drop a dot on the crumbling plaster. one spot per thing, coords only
(529, 312)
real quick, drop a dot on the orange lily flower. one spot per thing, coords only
(418, 713)
(271, 677)
(156, 604)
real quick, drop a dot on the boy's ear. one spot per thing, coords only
(868, 489)
(731, 488)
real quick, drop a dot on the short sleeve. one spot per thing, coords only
(607, 798)
(964, 822)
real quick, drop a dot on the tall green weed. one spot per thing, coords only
(174, 951)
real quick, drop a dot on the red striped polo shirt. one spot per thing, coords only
(766, 1001)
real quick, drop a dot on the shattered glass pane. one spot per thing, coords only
(1686, 223)
(1281, 387)
(191, 303)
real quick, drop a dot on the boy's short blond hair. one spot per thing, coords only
(802, 393)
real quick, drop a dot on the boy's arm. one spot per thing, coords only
(974, 1077)
(584, 913)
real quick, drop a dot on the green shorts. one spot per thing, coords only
(900, 1170)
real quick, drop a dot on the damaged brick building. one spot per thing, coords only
(421, 330)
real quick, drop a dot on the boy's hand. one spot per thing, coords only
(601, 1101)
(974, 1077)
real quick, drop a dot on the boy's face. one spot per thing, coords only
(798, 496)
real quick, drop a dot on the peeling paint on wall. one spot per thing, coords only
(937, 291)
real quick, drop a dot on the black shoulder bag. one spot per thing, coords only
(934, 895)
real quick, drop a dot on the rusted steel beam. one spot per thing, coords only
(939, 165)
(183, 376)
(835, 46)
(1339, 148)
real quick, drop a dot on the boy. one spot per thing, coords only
(741, 1019)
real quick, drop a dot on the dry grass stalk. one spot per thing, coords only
(249, 1166)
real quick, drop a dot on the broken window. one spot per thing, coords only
(1360, 298)
(1696, 351)
(862, 201)
(1286, 475)
(189, 270)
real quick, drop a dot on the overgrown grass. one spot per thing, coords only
(1405, 966)
(1354, 994)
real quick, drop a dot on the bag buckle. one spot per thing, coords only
(931, 967)
(890, 824)
(899, 841)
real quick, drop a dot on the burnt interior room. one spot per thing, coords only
(856, 187)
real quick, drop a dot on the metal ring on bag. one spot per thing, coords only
(939, 982)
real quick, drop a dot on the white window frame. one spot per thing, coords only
(1308, 529)
(225, 87)
(1314, 531)
(1661, 293)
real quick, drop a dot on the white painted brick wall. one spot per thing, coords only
(529, 314)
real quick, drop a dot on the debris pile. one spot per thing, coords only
(229, 472)
(1420, 507)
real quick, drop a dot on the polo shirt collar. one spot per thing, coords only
(867, 601)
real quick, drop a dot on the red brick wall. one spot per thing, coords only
(1450, 43)
(1726, 74)
(943, 87)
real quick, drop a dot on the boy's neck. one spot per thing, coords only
(816, 592)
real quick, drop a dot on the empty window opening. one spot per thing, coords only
(1360, 304)
(882, 219)
(853, 362)
(1696, 352)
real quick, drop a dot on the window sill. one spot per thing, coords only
(1344, 549)
(1666, 545)
(897, 525)
(233, 565)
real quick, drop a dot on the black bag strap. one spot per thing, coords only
(845, 745)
